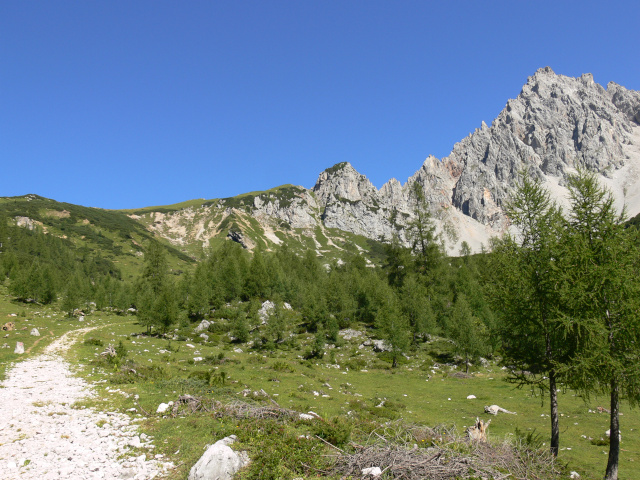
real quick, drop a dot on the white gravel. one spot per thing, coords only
(42, 437)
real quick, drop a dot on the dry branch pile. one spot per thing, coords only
(188, 404)
(450, 457)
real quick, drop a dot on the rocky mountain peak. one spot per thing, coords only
(343, 182)
(556, 124)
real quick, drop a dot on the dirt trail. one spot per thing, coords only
(42, 437)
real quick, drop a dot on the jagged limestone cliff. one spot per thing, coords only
(556, 124)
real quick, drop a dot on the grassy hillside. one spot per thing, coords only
(112, 234)
(196, 227)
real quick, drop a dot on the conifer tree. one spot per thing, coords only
(199, 294)
(394, 328)
(425, 242)
(72, 298)
(525, 294)
(240, 327)
(467, 331)
(165, 308)
(257, 282)
(415, 305)
(601, 286)
(155, 298)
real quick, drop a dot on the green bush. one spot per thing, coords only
(531, 440)
(336, 431)
(281, 366)
(356, 364)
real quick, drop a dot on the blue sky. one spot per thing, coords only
(123, 104)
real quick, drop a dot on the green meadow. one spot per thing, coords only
(350, 386)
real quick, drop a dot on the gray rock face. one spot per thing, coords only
(556, 124)
(219, 462)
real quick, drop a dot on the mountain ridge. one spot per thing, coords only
(555, 125)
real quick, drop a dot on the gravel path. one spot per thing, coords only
(42, 437)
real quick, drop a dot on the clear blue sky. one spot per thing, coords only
(122, 104)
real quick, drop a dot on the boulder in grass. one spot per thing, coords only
(219, 462)
(19, 348)
(203, 326)
(35, 332)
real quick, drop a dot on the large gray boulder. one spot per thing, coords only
(203, 326)
(219, 462)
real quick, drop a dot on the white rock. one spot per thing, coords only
(205, 336)
(373, 471)
(135, 442)
(219, 462)
(306, 416)
(608, 434)
(471, 397)
(19, 348)
(574, 474)
(163, 407)
(204, 325)
(380, 346)
(265, 311)
(34, 332)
